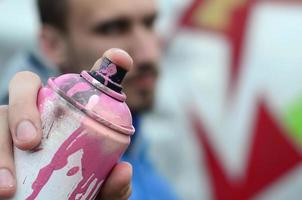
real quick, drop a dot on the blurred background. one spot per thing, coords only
(228, 117)
(19, 26)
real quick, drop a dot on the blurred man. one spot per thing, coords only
(74, 34)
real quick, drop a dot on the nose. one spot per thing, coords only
(145, 46)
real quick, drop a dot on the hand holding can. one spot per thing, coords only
(86, 128)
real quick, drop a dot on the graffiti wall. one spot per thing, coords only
(229, 109)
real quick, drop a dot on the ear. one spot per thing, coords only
(53, 44)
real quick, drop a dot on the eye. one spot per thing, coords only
(113, 27)
(150, 21)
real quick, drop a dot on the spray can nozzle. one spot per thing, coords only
(110, 75)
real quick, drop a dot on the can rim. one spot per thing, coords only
(91, 114)
(118, 96)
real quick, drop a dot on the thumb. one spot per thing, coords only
(118, 183)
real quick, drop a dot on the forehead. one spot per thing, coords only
(89, 10)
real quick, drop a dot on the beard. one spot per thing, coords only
(140, 86)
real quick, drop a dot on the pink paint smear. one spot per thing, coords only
(95, 165)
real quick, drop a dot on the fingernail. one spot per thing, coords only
(6, 179)
(26, 131)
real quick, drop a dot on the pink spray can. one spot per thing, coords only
(86, 129)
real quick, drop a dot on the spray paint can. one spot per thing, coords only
(86, 129)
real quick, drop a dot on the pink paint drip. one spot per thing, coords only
(95, 164)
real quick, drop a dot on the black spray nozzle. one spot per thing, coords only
(110, 74)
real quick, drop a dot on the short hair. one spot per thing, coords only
(53, 12)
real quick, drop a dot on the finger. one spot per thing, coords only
(23, 115)
(118, 184)
(7, 170)
(118, 57)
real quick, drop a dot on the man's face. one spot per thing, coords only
(97, 25)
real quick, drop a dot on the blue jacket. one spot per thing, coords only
(147, 184)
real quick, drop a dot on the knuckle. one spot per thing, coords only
(125, 194)
(17, 110)
(128, 194)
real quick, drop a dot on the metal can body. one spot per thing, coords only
(76, 153)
